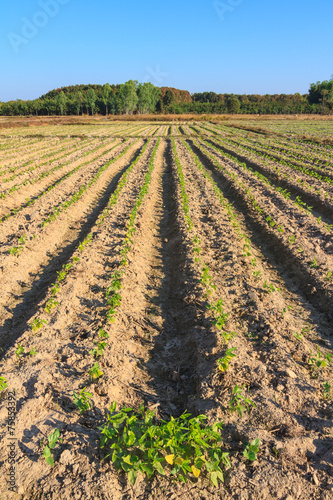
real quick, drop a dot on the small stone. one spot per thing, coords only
(315, 479)
(253, 296)
(66, 458)
(290, 373)
(33, 215)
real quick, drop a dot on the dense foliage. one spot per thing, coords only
(133, 97)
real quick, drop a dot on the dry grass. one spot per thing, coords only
(30, 121)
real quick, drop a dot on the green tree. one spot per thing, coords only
(233, 105)
(106, 91)
(78, 102)
(128, 96)
(91, 100)
(148, 96)
(61, 102)
(36, 105)
(324, 95)
(329, 101)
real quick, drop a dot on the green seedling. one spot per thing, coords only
(292, 239)
(318, 360)
(52, 439)
(238, 402)
(50, 304)
(206, 280)
(300, 250)
(22, 240)
(221, 320)
(184, 446)
(223, 363)
(95, 372)
(271, 288)
(19, 351)
(114, 299)
(98, 351)
(15, 250)
(103, 334)
(298, 336)
(257, 274)
(37, 323)
(314, 264)
(81, 400)
(3, 383)
(285, 310)
(61, 275)
(55, 289)
(196, 248)
(327, 390)
(33, 352)
(220, 316)
(251, 450)
(329, 276)
(227, 336)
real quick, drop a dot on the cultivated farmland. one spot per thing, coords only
(168, 268)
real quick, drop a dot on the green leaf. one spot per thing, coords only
(157, 466)
(213, 478)
(50, 461)
(48, 457)
(132, 476)
(148, 469)
(53, 438)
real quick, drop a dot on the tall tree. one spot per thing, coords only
(128, 96)
(233, 104)
(61, 102)
(91, 99)
(78, 102)
(36, 105)
(106, 91)
(148, 96)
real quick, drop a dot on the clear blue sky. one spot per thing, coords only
(240, 46)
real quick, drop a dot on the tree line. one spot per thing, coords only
(133, 97)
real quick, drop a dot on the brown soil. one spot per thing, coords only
(162, 348)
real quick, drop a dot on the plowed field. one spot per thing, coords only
(165, 246)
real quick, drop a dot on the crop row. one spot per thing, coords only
(309, 263)
(30, 201)
(17, 249)
(52, 301)
(47, 172)
(36, 164)
(272, 179)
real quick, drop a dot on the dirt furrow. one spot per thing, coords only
(63, 346)
(51, 177)
(269, 358)
(30, 219)
(25, 277)
(313, 281)
(24, 174)
(295, 184)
